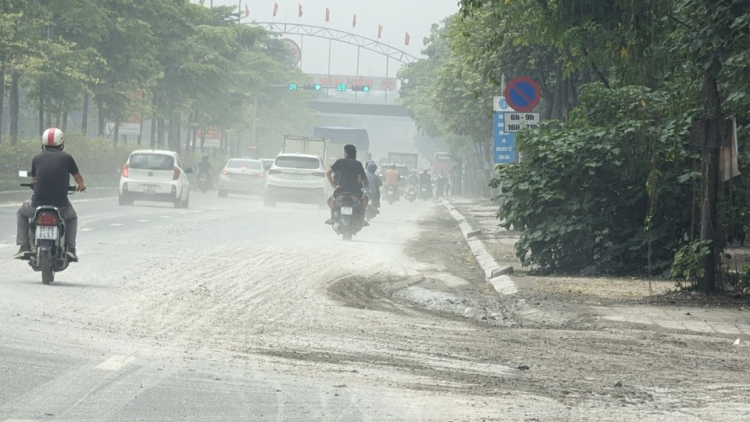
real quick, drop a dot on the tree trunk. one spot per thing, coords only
(85, 118)
(41, 115)
(65, 120)
(177, 134)
(710, 167)
(194, 129)
(557, 108)
(160, 133)
(116, 135)
(100, 117)
(14, 106)
(2, 96)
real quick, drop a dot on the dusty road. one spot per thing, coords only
(230, 311)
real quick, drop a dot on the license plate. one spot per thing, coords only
(149, 189)
(295, 176)
(46, 232)
(347, 211)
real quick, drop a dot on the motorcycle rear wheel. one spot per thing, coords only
(46, 265)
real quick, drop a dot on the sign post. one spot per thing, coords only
(503, 143)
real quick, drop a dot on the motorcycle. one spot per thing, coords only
(47, 239)
(411, 193)
(204, 182)
(347, 219)
(425, 192)
(391, 194)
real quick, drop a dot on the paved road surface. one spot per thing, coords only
(230, 311)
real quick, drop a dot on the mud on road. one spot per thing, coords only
(578, 361)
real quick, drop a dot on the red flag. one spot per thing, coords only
(407, 40)
(380, 31)
(275, 9)
(247, 10)
(354, 21)
(300, 11)
(328, 15)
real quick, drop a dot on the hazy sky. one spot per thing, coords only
(396, 16)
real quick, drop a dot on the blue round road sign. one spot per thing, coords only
(522, 94)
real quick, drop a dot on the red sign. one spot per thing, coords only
(294, 50)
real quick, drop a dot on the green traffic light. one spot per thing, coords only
(292, 87)
(366, 88)
(318, 87)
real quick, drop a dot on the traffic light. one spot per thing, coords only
(292, 86)
(342, 87)
(361, 88)
(316, 87)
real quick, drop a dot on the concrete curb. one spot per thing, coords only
(18, 196)
(494, 274)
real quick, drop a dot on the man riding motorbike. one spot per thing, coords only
(351, 176)
(426, 181)
(51, 170)
(204, 167)
(375, 184)
(392, 179)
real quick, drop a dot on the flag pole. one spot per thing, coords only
(358, 50)
(387, 62)
(330, 41)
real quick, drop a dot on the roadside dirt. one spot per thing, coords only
(579, 361)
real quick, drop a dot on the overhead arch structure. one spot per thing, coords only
(339, 36)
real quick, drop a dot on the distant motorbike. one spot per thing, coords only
(411, 193)
(425, 192)
(204, 182)
(391, 194)
(347, 218)
(47, 238)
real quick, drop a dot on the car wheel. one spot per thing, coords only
(223, 194)
(186, 204)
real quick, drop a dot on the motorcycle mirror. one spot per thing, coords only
(23, 173)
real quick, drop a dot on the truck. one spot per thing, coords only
(404, 159)
(339, 136)
(294, 144)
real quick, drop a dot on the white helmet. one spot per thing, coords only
(53, 137)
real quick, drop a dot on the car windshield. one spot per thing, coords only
(151, 162)
(246, 164)
(298, 162)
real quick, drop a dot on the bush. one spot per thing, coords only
(582, 195)
(98, 160)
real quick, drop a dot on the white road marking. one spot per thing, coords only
(5, 245)
(165, 216)
(87, 229)
(21, 420)
(183, 212)
(115, 363)
(142, 221)
(116, 224)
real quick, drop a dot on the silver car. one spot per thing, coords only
(243, 176)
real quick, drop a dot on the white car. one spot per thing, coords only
(296, 178)
(155, 175)
(243, 176)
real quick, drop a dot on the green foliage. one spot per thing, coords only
(96, 157)
(582, 193)
(688, 262)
